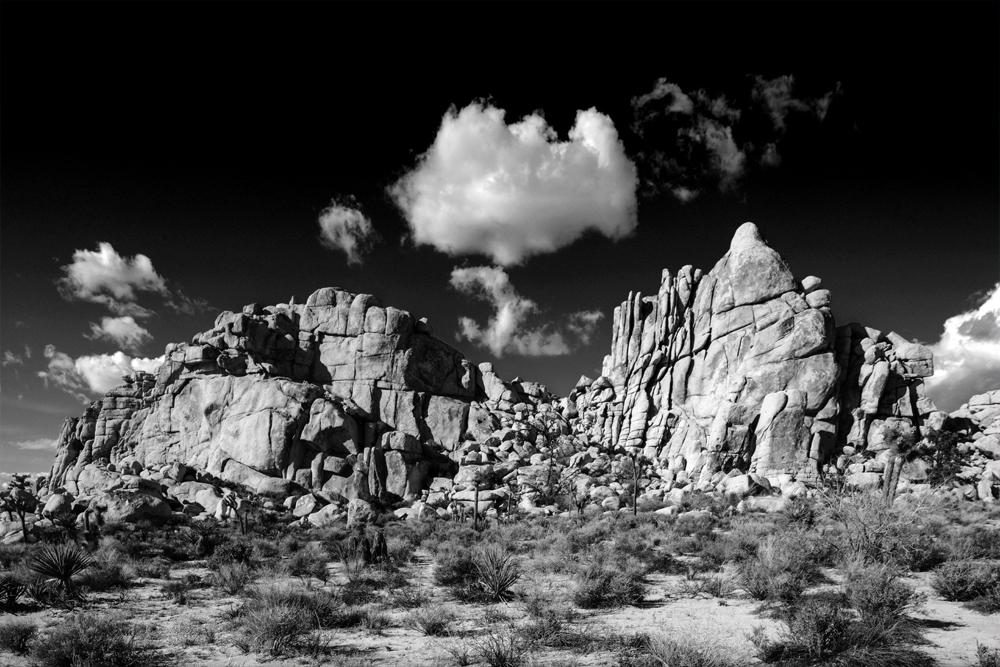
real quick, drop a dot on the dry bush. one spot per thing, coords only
(16, 635)
(975, 582)
(610, 582)
(233, 577)
(434, 621)
(97, 640)
(780, 570)
(500, 647)
(689, 653)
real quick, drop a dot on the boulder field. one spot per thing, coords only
(736, 381)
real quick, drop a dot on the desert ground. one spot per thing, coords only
(833, 579)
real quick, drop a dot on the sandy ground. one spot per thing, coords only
(670, 608)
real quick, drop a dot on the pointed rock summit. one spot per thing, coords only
(343, 406)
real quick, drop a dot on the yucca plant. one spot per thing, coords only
(60, 563)
(498, 572)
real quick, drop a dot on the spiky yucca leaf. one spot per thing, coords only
(498, 572)
(61, 563)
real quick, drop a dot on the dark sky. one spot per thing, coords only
(210, 137)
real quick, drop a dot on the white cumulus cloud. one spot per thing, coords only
(115, 281)
(513, 191)
(90, 375)
(124, 331)
(967, 357)
(39, 443)
(506, 330)
(344, 227)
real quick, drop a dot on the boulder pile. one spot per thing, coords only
(736, 381)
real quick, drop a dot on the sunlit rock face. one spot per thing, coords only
(286, 397)
(743, 368)
(735, 373)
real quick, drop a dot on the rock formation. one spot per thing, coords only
(743, 369)
(736, 380)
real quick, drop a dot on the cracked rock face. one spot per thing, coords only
(738, 370)
(743, 368)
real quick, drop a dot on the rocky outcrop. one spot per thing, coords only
(290, 398)
(743, 369)
(736, 380)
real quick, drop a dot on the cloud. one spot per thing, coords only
(677, 101)
(967, 356)
(776, 97)
(121, 330)
(39, 443)
(347, 229)
(105, 277)
(514, 191)
(505, 331)
(694, 141)
(11, 358)
(92, 374)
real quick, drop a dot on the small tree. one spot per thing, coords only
(17, 499)
(941, 447)
(902, 447)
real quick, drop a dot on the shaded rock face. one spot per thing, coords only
(286, 398)
(738, 371)
(743, 368)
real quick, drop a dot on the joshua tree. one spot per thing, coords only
(902, 447)
(17, 499)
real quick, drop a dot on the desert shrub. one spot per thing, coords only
(688, 653)
(882, 599)
(410, 598)
(152, 568)
(264, 549)
(232, 577)
(237, 551)
(965, 580)
(874, 532)
(375, 621)
(780, 570)
(822, 631)
(12, 554)
(16, 634)
(96, 640)
(11, 588)
(975, 542)
(455, 569)
(500, 647)
(986, 656)
(280, 619)
(310, 561)
(195, 633)
(610, 583)
(274, 629)
(695, 523)
(433, 621)
(178, 590)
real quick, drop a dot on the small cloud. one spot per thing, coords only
(770, 156)
(91, 375)
(11, 358)
(121, 330)
(714, 141)
(115, 281)
(514, 191)
(39, 443)
(676, 100)
(967, 356)
(345, 228)
(505, 331)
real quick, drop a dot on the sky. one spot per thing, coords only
(509, 171)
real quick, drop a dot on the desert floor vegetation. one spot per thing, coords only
(832, 580)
